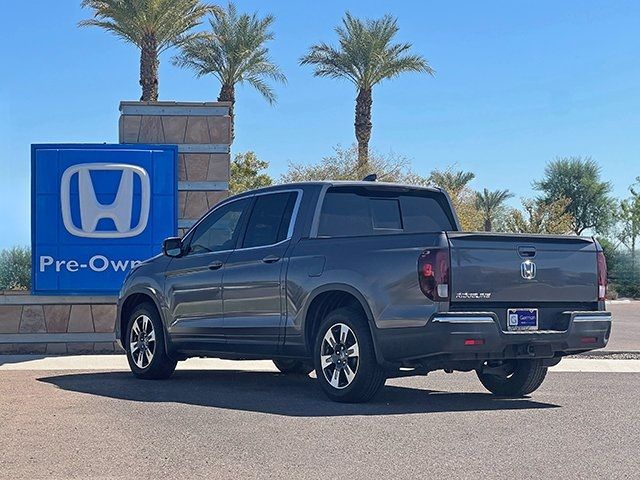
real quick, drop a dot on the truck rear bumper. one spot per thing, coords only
(478, 336)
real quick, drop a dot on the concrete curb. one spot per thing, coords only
(604, 353)
(119, 363)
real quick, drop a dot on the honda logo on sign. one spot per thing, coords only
(120, 211)
(528, 270)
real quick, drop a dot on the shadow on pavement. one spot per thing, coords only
(275, 393)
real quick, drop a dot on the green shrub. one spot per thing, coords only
(624, 274)
(15, 268)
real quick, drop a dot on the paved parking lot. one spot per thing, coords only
(625, 333)
(255, 423)
(81, 417)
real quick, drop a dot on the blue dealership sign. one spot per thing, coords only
(98, 210)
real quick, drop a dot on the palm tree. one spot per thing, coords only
(490, 204)
(151, 25)
(453, 182)
(234, 52)
(365, 57)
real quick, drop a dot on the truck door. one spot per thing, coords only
(193, 282)
(253, 290)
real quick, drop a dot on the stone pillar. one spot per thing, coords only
(202, 132)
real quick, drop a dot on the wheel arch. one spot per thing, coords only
(130, 302)
(330, 297)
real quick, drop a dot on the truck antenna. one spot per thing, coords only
(372, 177)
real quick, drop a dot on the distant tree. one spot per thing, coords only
(365, 56)
(540, 217)
(629, 218)
(578, 180)
(235, 52)
(456, 184)
(151, 25)
(246, 173)
(15, 268)
(450, 180)
(491, 204)
(344, 165)
(612, 255)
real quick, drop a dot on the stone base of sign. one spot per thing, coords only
(56, 325)
(202, 131)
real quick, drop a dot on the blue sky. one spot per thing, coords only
(516, 85)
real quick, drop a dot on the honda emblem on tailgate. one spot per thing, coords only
(120, 211)
(528, 270)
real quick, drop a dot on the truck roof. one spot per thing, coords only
(345, 183)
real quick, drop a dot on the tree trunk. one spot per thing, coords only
(487, 225)
(228, 94)
(149, 68)
(363, 126)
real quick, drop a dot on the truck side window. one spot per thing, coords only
(219, 230)
(356, 211)
(344, 214)
(424, 213)
(270, 219)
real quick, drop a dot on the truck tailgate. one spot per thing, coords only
(513, 269)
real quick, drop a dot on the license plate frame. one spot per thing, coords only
(522, 319)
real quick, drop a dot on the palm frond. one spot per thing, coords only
(257, 82)
(490, 201)
(167, 21)
(118, 30)
(234, 51)
(365, 53)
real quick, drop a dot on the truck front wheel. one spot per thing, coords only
(513, 378)
(345, 359)
(145, 347)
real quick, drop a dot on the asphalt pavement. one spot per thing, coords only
(243, 420)
(88, 417)
(625, 331)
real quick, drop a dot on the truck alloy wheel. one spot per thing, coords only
(339, 356)
(345, 359)
(145, 347)
(142, 341)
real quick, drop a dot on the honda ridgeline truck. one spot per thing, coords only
(363, 281)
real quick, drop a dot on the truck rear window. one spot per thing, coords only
(358, 211)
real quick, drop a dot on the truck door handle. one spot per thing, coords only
(271, 259)
(215, 265)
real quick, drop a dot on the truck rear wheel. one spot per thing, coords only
(295, 367)
(521, 377)
(345, 359)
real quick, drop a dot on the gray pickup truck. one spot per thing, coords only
(363, 281)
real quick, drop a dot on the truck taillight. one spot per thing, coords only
(433, 274)
(602, 276)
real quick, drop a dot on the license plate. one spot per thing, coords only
(522, 319)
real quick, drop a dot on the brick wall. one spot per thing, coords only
(56, 325)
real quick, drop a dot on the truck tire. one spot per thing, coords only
(523, 377)
(345, 359)
(144, 344)
(294, 367)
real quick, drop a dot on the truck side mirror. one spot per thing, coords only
(172, 247)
